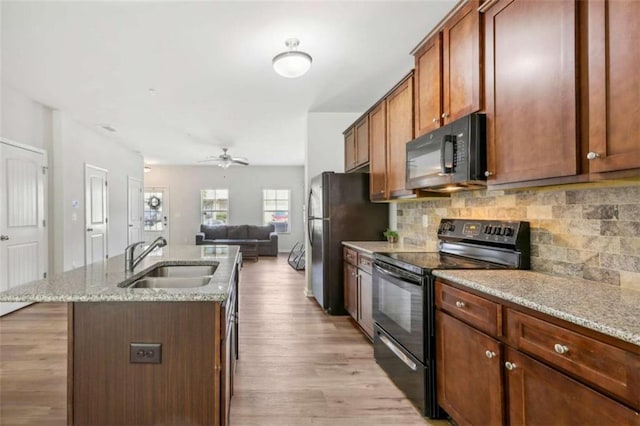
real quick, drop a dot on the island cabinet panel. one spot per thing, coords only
(184, 388)
(469, 373)
(461, 64)
(428, 90)
(614, 85)
(399, 132)
(539, 395)
(378, 152)
(530, 79)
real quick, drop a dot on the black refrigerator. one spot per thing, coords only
(338, 209)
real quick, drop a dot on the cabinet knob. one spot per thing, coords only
(593, 155)
(488, 173)
(435, 119)
(510, 366)
(445, 115)
(4, 237)
(560, 348)
(490, 354)
(460, 304)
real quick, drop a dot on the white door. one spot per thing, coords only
(23, 256)
(134, 209)
(156, 214)
(96, 207)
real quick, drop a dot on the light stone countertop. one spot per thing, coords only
(604, 308)
(383, 247)
(99, 282)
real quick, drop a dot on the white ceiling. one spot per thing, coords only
(210, 66)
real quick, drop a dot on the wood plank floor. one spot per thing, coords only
(297, 365)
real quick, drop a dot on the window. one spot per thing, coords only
(153, 210)
(275, 208)
(214, 204)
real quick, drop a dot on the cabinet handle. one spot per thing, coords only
(445, 115)
(435, 120)
(593, 155)
(488, 173)
(460, 304)
(89, 229)
(510, 365)
(490, 354)
(561, 349)
(4, 237)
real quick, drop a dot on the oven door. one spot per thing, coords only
(398, 306)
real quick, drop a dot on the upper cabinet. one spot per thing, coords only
(530, 78)
(378, 154)
(614, 85)
(399, 132)
(448, 71)
(356, 145)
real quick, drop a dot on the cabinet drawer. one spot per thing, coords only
(476, 311)
(365, 262)
(608, 367)
(350, 256)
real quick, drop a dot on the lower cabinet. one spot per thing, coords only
(358, 288)
(495, 379)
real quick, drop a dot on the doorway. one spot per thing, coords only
(96, 207)
(23, 248)
(134, 210)
(156, 214)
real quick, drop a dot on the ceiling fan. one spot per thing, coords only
(225, 160)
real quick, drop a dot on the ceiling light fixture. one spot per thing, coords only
(293, 63)
(147, 169)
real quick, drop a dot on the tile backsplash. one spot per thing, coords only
(590, 231)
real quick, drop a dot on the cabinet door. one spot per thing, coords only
(349, 150)
(530, 50)
(428, 96)
(399, 132)
(362, 141)
(469, 382)
(378, 153)
(461, 64)
(539, 395)
(614, 85)
(351, 290)
(365, 312)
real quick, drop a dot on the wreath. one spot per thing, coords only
(154, 202)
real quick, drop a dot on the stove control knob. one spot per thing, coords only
(496, 230)
(508, 231)
(487, 229)
(452, 227)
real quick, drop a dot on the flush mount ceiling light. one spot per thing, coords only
(293, 63)
(147, 169)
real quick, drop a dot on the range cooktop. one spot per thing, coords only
(423, 263)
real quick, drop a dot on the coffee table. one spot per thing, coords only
(249, 249)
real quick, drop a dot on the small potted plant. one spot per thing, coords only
(391, 236)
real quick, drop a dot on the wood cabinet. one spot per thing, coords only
(529, 369)
(469, 373)
(356, 145)
(358, 290)
(530, 78)
(448, 71)
(399, 132)
(613, 85)
(378, 153)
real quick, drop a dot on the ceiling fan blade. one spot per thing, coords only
(240, 160)
(208, 160)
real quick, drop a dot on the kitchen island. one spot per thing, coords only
(168, 358)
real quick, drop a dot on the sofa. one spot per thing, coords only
(239, 235)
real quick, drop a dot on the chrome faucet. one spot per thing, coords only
(130, 262)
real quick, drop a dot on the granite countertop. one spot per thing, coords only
(383, 247)
(604, 308)
(98, 282)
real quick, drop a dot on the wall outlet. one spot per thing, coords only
(425, 220)
(145, 353)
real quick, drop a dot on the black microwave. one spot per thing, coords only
(451, 157)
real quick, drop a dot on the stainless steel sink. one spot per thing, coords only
(182, 271)
(174, 282)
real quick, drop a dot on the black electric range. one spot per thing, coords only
(403, 297)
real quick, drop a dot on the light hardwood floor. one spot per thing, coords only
(297, 365)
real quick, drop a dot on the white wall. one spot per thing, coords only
(245, 186)
(69, 145)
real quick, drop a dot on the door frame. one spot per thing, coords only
(11, 307)
(106, 203)
(165, 197)
(141, 207)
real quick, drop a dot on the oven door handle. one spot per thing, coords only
(412, 365)
(395, 275)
